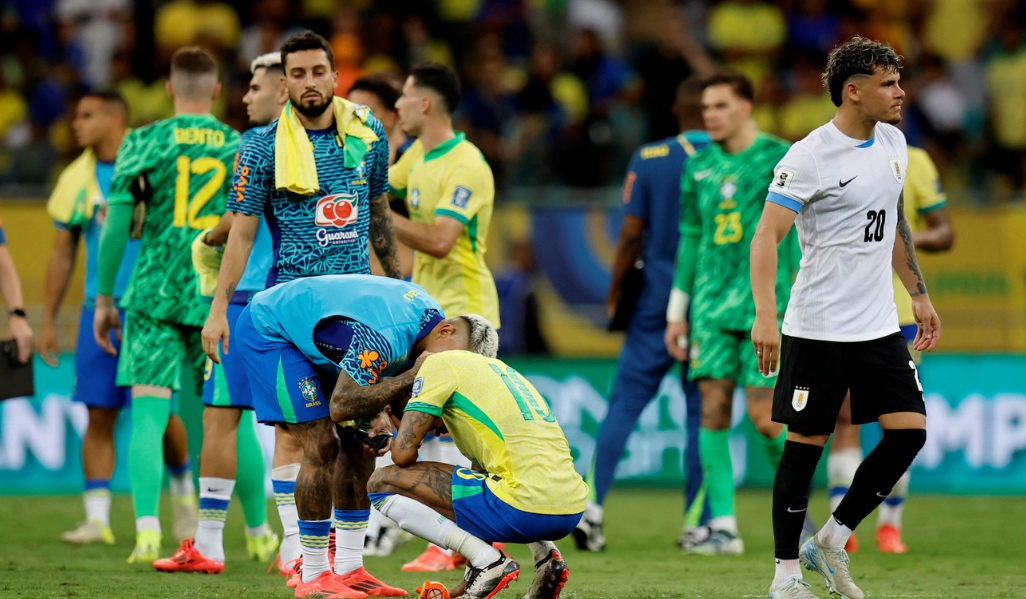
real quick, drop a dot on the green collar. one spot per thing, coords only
(442, 149)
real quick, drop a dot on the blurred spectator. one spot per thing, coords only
(808, 106)
(183, 22)
(98, 28)
(747, 33)
(941, 103)
(13, 110)
(269, 30)
(518, 306)
(674, 58)
(487, 110)
(147, 102)
(347, 48)
(812, 26)
(420, 45)
(1006, 87)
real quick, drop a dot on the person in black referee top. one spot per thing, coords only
(842, 187)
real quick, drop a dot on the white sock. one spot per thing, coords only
(348, 549)
(256, 531)
(541, 549)
(428, 524)
(97, 506)
(181, 484)
(727, 523)
(215, 495)
(315, 559)
(894, 505)
(377, 521)
(833, 535)
(290, 549)
(786, 569)
(147, 523)
(841, 467)
(440, 548)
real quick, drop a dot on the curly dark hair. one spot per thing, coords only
(857, 56)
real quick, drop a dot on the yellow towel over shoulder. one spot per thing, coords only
(77, 192)
(294, 166)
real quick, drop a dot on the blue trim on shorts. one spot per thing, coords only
(231, 370)
(96, 371)
(302, 395)
(908, 331)
(482, 514)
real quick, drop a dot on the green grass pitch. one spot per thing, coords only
(960, 547)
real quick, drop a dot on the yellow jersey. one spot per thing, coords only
(454, 181)
(501, 423)
(923, 194)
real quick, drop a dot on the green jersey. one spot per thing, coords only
(187, 160)
(722, 196)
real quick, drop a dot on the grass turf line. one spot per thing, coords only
(964, 547)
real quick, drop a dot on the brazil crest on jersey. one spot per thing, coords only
(386, 318)
(326, 233)
(722, 198)
(187, 160)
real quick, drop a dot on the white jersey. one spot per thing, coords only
(845, 192)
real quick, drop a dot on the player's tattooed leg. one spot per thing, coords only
(428, 482)
(314, 483)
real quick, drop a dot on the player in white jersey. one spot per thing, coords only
(842, 187)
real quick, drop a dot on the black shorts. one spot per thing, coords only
(816, 375)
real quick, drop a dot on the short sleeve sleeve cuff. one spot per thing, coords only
(781, 200)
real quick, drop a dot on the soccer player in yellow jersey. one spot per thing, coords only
(523, 488)
(927, 216)
(450, 192)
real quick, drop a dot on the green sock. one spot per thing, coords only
(693, 515)
(774, 447)
(717, 470)
(146, 453)
(249, 479)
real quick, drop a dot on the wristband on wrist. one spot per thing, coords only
(17, 312)
(677, 308)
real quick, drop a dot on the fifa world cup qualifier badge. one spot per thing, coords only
(800, 399)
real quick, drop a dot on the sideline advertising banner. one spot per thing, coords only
(976, 440)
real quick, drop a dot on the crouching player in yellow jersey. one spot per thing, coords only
(523, 488)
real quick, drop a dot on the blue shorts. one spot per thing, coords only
(95, 370)
(908, 331)
(226, 385)
(482, 514)
(286, 387)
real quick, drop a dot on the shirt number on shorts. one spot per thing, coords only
(875, 228)
(528, 402)
(187, 210)
(915, 372)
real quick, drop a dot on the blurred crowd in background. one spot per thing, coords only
(556, 92)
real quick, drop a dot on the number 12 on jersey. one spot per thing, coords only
(187, 210)
(528, 402)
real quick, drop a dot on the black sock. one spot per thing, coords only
(791, 495)
(878, 473)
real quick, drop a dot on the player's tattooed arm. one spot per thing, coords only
(904, 258)
(414, 428)
(382, 236)
(350, 400)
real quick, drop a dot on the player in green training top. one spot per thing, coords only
(722, 196)
(175, 173)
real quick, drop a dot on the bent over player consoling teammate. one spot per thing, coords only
(842, 187)
(523, 488)
(352, 335)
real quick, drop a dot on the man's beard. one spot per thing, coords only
(310, 110)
